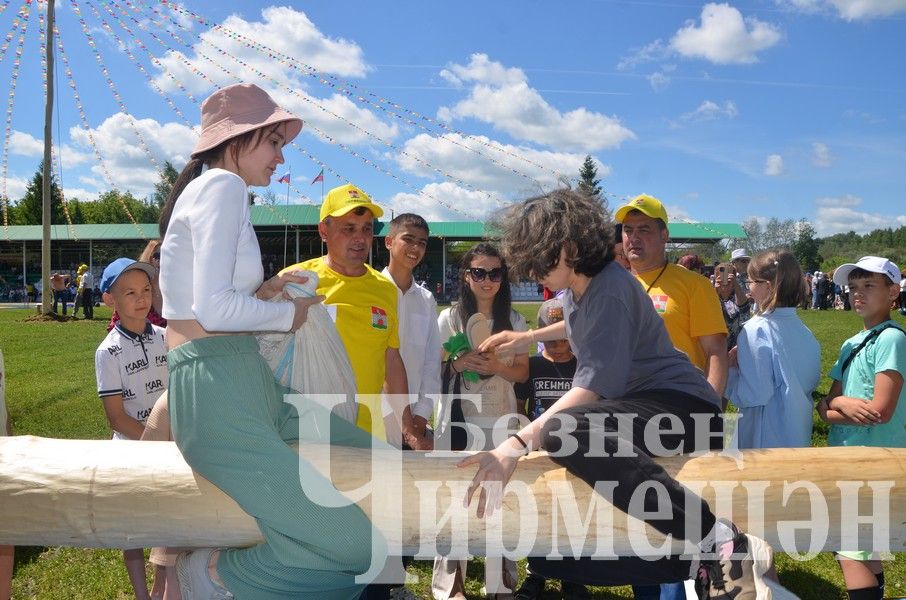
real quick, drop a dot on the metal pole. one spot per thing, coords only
(47, 172)
(24, 273)
(297, 243)
(443, 277)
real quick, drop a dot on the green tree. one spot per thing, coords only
(805, 248)
(109, 208)
(589, 184)
(773, 233)
(162, 188)
(28, 210)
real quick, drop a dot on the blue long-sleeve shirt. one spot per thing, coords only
(779, 367)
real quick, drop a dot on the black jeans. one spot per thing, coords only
(88, 303)
(592, 423)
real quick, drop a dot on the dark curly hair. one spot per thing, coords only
(468, 304)
(533, 232)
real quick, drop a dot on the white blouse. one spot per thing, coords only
(210, 262)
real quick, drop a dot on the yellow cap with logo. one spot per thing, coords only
(340, 200)
(644, 203)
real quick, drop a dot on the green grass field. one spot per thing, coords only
(51, 393)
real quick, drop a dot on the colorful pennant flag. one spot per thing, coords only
(284, 178)
(320, 177)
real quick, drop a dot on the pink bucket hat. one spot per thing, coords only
(236, 109)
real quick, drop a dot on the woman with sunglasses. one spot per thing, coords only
(484, 289)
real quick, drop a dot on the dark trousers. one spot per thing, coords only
(59, 296)
(88, 303)
(593, 422)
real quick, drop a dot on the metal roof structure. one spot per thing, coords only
(306, 216)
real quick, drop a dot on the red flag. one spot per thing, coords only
(320, 177)
(284, 179)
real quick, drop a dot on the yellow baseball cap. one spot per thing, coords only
(649, 205)
(341, 200)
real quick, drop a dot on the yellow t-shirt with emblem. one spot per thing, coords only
(364, 310)
(689, 306)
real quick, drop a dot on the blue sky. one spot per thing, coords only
(725, 111)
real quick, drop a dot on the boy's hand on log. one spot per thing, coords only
(494, 471)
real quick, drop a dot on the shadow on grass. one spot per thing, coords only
(807, 585)
(25, 555)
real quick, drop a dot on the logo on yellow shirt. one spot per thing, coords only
(378, 318)
(660, 302)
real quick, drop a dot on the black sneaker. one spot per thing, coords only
(531, 588)
(738, 571)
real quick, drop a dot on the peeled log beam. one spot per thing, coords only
(93, 493)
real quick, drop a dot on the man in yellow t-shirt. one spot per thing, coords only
(686, 300)
(361, 301)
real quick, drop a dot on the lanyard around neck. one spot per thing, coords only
(651, 285)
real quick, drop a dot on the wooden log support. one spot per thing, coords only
(94, 493)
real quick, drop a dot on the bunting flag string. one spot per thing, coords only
(309, 100)
(137, 64)
(324, 135)
(110, 84)
(87, 127)
(143, 27)
(346, 88)
(21, 24)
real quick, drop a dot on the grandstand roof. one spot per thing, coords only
(307, 216)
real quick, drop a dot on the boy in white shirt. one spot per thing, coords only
(420, 346)
(131, 369)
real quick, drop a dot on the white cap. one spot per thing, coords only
(872, 264)
(739, 253)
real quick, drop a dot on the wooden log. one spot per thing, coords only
(94, 493)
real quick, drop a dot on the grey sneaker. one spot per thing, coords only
(738, 572)
(194, 581)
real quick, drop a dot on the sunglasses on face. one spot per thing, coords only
(478, 274)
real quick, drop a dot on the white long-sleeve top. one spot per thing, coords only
(210, 262)
(420, 345)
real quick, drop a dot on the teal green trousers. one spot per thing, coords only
(232, 426)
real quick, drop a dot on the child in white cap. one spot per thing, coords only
(866, 404)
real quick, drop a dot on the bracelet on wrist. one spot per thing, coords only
(531, 333)
(520, 440)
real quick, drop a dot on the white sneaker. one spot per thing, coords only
(194, 581)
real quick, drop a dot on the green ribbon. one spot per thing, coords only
(456, 346)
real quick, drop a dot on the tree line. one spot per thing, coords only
(799, 236)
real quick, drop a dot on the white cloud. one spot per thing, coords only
(335, 117)
(709, 110)
(468, 204)
(15, 188)
(725, 36)
(773, 165)
(839, 215)
(846, 201)
(292, 33)
(24, 144)
(452, 154)
(502, 97)
(125, 160)
(653, 52)
(283, 29)
(658, 81)
(850, 10)
(821, 155)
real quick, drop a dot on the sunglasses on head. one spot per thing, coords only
(478, 274)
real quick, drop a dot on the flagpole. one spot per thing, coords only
(286, 218)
